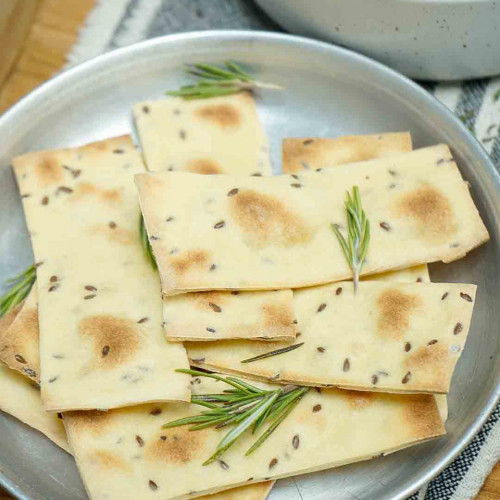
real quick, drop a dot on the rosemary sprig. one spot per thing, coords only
(19, 288)
(358, 234)
(273, 353)
(146, 245)
(244, 406)
(218, 81)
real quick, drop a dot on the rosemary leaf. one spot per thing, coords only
(228, 380)
(273, 353)
(355, 247)
(18, 289)
(235, 433)
(216, 81)
(285, 412)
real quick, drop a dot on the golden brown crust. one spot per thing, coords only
(394, 312)
(48, 170)
(222, 115)
(434, 362)
(176, 446)
(265, 220)
(86, 189)
(310, 153)
(184, 262)
(90, 421)
(115, 339)
(204, 166)
(110, 461)
(277, 317)
(422, 417)
(430, 210)
(357, 400)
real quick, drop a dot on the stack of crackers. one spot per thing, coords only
(249, 280)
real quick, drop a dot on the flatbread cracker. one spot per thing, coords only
(310, 153)
(230, 315)
(226, 358)
(255, 230)
(19, 342)
(21, 398)
(390, 337)
(122, 455)
(221, 135)
(100, 309)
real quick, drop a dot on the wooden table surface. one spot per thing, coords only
(54, 31)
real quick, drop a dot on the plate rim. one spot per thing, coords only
(226, 36)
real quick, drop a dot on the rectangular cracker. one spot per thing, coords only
(255, 230)
(310, 153)
(230, 315)
(391, 337)
(221, 135)
(355, 425)
(100, 309)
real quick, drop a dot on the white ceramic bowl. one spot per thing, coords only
(424, 39)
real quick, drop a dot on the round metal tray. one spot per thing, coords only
(329, 92)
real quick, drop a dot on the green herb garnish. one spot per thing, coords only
(19, 288)
(358, 234)
(215, 81)
(283, 350)
(146, 245)
(244, 406)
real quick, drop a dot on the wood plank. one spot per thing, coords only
(52, 34)
(16, 17)
(491, 487)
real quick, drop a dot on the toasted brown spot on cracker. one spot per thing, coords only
(277, 318)
(434, 363)
(224, 115)
(267, 221)
(189, 259)
(203, 299)
(203, 166)
(431, 211)
(421, 415)
(93, 421)
(49, 171)
(394, 312)
(357, 400)
(85, 189)
(108, 460)
(118, 235)
(119, 335)
(180, 446)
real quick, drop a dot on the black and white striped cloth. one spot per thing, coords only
(116, 23)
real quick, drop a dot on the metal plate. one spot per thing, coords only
(330, 92)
